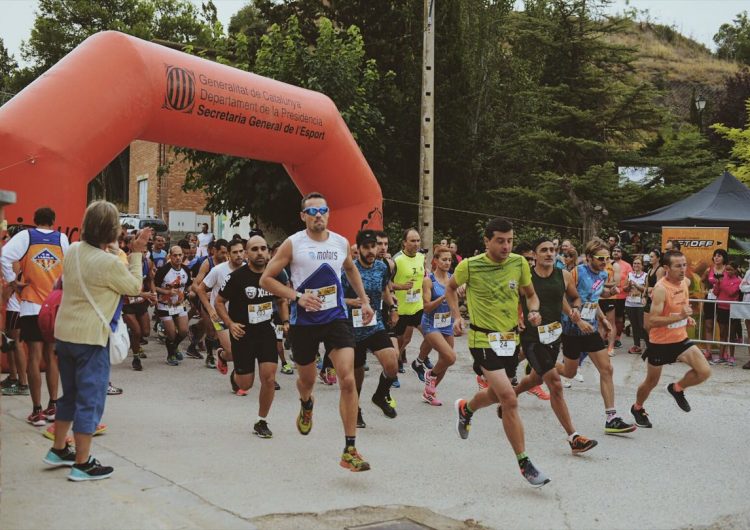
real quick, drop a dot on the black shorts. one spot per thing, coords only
(306, 339)
(405, 321)
(607, 305)
(661, 354)
(722, 315)
(708, 311)
(375, 342)
(135, 309)
(620, 308)
(257, 345)
(29, 325)
(11, 321)
(541, 357)
(486, 358)
(573, 345)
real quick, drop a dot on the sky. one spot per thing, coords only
(698, 19)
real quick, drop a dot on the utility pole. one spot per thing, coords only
(426, 212)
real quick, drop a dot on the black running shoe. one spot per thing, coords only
(276, 385)
(192, 352)
(91, 470)
(679, 397)
(137, 366)
(419, 368)
(261, 430)
(401, 368)
(618, 426)
(61, 457)
(385, 405)
(360, 420)
(641, 417)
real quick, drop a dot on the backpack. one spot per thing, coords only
(48, 313)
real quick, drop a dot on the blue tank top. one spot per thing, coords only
(428, 319)
(590, 286)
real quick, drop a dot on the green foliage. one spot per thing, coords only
(733, 40)
(740, 139)
(8, 66)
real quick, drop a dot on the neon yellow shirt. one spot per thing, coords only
(492, 293)
(409, 269)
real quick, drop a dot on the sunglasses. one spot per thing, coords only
(602, 258)
(312, 211)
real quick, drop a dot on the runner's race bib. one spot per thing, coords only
(257, 313)
(588, 311)
(635, 298)
(503, 344)
(326, 295)
(279, 329)
(413, 296)
(680, 324)
(549, 333)
(358, 319)
(441, 320)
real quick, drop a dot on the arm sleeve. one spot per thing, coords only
(12, 252)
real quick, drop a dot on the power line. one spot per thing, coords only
(485, 214)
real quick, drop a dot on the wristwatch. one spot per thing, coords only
(298, 296)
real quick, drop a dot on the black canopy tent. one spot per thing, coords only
(724, 202)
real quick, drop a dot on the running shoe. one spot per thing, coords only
(535, 477)
(482, 383)
(8, 382)
(49, 413)
(679, 397)
(353, 461)
(731, 361)
(37, 418)
(60, 457)
(221, 364)
(715, 359)
(323, 377)
(401, 368)
(578, 377)
(384, 404)
(287, 369)
(618, 426)
(179, 355)
(112, 390)
(91, 470)
(360, 420)
(304, 420)
(431, 398)
(428, 363)
(49, 433)
(396, 384)
(635, 349)
(16, 389)
(210, 361)
(419, 368)
(430, 382)
(618, 344)
(276, 385)
(539, 392)
(172, 360)
(331, 376)
(137, 366)
(463, 420)
(641, 417)
(566, 383)
(193, 353)
(581, 444)
(261, 430)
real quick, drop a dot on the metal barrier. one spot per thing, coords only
(733, 323)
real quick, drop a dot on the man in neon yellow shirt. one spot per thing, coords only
(493, 283)
(407, 284)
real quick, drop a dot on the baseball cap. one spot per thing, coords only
(365, 237)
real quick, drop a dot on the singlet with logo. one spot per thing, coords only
(589, 284)
(375, 280)
(42, 265)
(170, 278)
(492, 293)
(249, 304)
(439, 319)
(316, 268)
(550, 291)
(409, 269)
(677, 297)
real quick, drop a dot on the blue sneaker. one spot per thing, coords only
(60, 457)
(396, 384)
(428, 363)
(91, 470)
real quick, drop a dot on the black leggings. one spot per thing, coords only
(635, 315)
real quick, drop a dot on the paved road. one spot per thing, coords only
(184, 457)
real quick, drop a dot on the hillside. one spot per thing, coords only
(676, 64)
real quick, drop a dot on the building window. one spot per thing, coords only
(143, 197)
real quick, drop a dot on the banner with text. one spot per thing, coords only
(698, 244)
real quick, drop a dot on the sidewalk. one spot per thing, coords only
(185, 457)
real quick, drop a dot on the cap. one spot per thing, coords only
(365, 237)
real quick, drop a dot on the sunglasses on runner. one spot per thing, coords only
(312, 211)
(602, 258)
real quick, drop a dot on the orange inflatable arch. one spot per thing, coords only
(63, 129)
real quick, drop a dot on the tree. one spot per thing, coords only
(733, 40)
(334, 64)
(8, 66)
(730, 109)
(740, 139)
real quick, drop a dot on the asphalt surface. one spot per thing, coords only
(185, 457)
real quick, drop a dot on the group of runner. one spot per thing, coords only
(314, 289)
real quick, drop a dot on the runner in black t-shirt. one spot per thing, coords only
(248, 319)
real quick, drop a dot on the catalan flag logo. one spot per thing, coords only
(45, 260)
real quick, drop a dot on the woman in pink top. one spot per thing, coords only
(727, 288)
(715, 272)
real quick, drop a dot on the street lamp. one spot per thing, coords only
(700, 104)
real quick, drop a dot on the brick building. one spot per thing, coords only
(162, 196)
